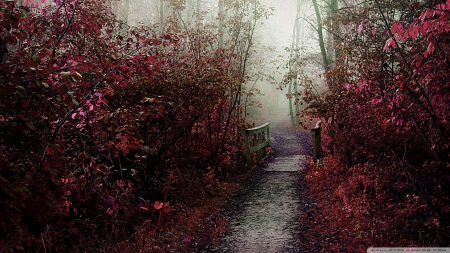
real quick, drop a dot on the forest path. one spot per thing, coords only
(265, 218)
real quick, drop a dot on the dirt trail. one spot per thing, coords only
(266, 217)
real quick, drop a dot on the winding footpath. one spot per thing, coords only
(266, 216)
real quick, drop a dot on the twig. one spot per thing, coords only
(6, 245)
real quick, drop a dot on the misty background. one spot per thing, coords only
(274, 39)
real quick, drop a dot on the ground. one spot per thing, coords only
(265, 216)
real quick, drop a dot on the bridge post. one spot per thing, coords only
(247, 146)
(316, 137)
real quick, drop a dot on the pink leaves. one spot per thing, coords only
(398, 31)
(436, 222)
(426, 14)
(127, 143)
(91, 106)
(376, 101)
(158, 205)
(400, 80)
(120, 183)
(348, 87)
(365, 86)
(413, 31)
(429, 50)
(390, 43)
(431, 23)
(360, 27)
(397, 27)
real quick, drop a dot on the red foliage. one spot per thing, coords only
(383, 178)
(104, 129)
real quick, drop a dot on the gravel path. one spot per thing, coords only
(265, 218)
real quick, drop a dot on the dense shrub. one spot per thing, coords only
(106, 130)
(386, 122)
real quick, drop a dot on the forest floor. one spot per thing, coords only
(265, 216)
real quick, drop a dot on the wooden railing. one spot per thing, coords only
(258, 137)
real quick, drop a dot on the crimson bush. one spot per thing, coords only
(105, 129)
(387, 128)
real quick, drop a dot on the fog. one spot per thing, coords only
(272, 37)
(277, 32)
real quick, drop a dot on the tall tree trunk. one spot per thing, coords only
(297, 40)
(126, 9)
(161, 16)
(326, 64)
(291, 107)
(189, 4)
(197, 11)
(336, 31)
(293, 85)
(221, 20)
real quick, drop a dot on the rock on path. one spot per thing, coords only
(266, 217)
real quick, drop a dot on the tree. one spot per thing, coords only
(221, 20)
(326, 64)
(161, 15)
(295, 117)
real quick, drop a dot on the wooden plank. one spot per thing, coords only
(260, 146)
(259, 129)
